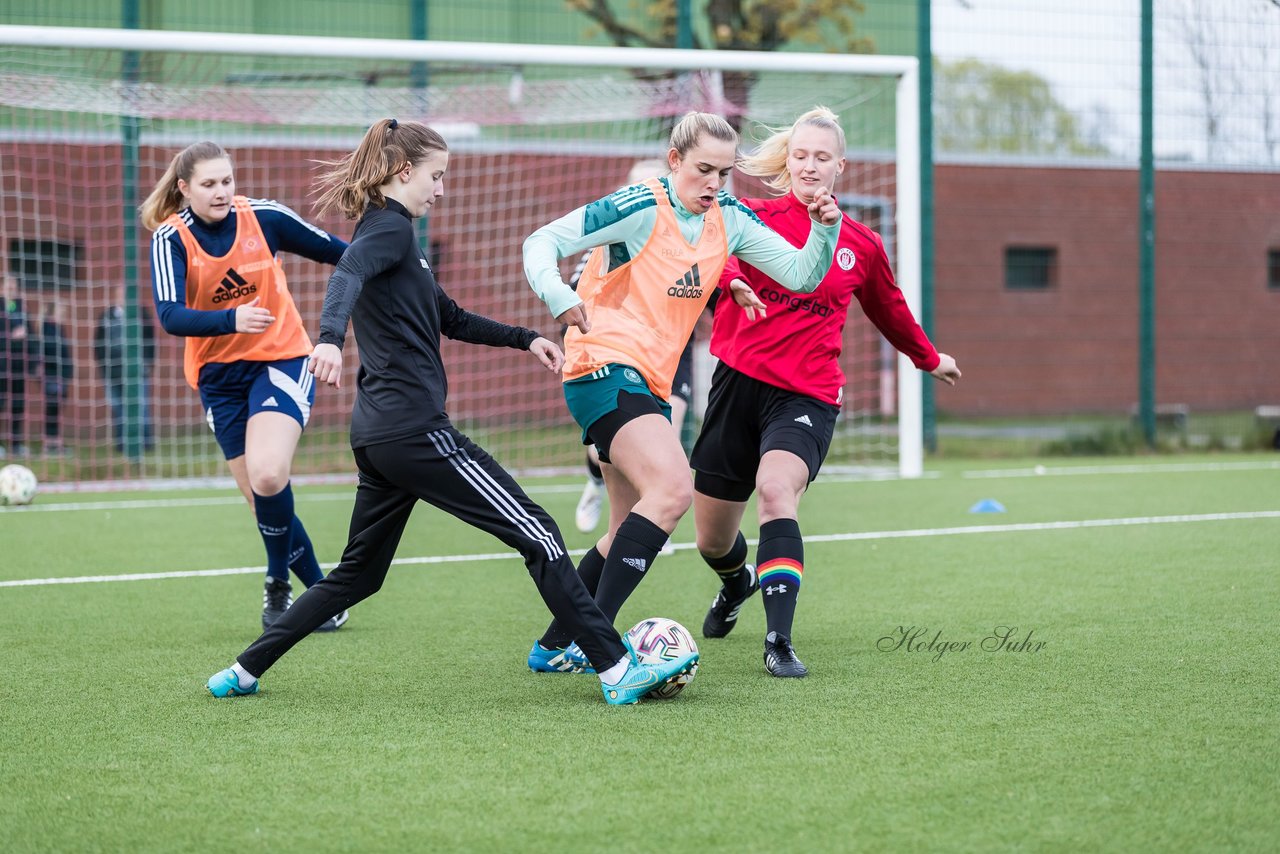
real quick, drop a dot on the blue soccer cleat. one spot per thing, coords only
(641, 679)
(225, 683)
(574, 654)
(567, 660)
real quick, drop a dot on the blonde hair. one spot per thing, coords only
(692, 126)
(354, 182)
(769, 161)
(166, 199)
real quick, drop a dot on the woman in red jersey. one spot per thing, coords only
(777, 391)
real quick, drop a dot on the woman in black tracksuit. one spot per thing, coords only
(404, 445)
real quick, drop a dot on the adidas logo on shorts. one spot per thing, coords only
(270, 401)
(804, 419)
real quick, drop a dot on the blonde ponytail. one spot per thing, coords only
(166, 199)
(693, 126)
(769, 160)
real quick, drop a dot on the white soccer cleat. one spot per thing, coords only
(587, 516)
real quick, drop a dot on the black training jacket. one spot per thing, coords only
(385, 287)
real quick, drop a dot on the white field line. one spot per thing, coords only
(222, 501)
(815, 538)
(549, 489)
(1126, 468)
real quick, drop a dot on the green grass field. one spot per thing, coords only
(1148, 720)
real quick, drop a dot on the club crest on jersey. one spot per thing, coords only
(688, 286)
(846, 259)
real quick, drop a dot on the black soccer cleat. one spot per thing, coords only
(722, 616)
(334, 623)
(277, 596)
(780, 657)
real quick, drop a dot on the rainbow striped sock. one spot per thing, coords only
(780, 570)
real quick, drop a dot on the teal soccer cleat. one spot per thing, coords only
(224, 683)
(567, 660)
(641, 679)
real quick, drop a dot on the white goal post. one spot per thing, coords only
(21, 41)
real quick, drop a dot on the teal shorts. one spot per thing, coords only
(594, 396)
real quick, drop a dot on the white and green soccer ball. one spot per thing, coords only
(17, 485)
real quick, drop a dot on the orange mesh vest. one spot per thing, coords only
(643, 312)
(249, 270)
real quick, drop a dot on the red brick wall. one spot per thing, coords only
(1070, 349)
(1074, 348)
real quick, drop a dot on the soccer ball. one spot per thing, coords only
(17, 485)
(658, 639)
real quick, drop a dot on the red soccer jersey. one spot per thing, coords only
(797, 345)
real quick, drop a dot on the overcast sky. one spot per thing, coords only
(1089, 50)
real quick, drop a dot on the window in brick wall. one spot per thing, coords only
(1273, 269)
(1030, 268)
(43, 264)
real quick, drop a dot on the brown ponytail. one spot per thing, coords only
(354, 182)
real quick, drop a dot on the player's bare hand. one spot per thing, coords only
(252, 318)
(946, 370)
(576, 316)
(747, 299)
(823, 208)
(548, 354)
(326, 364)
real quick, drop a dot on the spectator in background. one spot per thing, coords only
(59, 369)
(109, 353)
(15, 339)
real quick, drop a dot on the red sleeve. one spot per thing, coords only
(731, 271)
(882, 302)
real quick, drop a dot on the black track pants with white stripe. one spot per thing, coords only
(446, 469)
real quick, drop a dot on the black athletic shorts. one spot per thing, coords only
(682, 383)
(745, 418)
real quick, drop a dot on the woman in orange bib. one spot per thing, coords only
(217, 282)
(660, 247)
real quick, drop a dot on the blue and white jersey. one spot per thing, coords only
(284, 231)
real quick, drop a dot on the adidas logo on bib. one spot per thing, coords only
(804, 419)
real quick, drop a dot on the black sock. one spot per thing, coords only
(633, 551)
(593, 469)
(732, 567)
(780, 567)
(589, 569)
